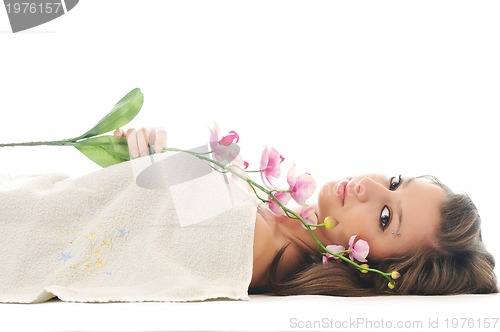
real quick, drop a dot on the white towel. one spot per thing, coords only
(101, 237)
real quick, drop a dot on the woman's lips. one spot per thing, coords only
(341, 191)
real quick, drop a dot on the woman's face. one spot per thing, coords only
(393, 215)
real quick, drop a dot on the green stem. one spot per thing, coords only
(62, 142)
(290, 213)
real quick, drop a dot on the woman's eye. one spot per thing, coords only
(385, 217)
(394, 183)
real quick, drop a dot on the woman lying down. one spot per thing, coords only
(101, 238)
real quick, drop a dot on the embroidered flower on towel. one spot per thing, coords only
(122, 232)
(65, 256)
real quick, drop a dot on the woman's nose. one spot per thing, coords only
(367, 188)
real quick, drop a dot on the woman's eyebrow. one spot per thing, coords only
(399, 209)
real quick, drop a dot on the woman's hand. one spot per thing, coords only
(139, 140)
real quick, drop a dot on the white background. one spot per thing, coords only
(339, 88)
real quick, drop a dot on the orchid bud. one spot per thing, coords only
(395, 275)
(391, 285)
(364, 266)
(329, 223)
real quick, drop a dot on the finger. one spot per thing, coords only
(132, 143)
(142, 141)
(152, 136)
(160, 139)
(119, 133)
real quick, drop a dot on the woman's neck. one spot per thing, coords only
(292, 230)
(272, 233)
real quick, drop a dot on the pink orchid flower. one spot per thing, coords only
(310, 216)
(224, 149)
(334, 249)
(239, 162)
(283, 198)
(358, 250)
(301, 187)
(270, 166)
(239, 165)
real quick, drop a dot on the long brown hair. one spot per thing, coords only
(460, 264)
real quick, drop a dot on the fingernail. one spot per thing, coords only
(134, 154)
(158, 148)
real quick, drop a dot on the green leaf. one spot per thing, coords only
(121, 114)
(104, 150)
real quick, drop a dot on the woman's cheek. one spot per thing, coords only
(339, 236)
(324, 209)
